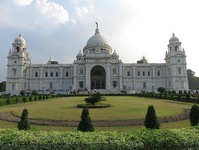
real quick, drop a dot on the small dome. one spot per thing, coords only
(174, 39)
(115, 53)
(80, 54)
(20, 39)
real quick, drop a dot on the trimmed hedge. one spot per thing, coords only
(174, 139)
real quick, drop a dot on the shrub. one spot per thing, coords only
(17, 100)
(194, 115)
(161, 90)
(35, 98)
(34, 93)
(85, 123)
(23, 124)
(30, 98)
(22, 93)
(187, 97)
(151, 120)
(24, 99)
(8, 101)
(95, 98)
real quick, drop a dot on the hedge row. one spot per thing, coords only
(174, 139)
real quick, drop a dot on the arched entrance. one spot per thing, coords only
(98, 77)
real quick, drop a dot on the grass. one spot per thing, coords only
(122, 108)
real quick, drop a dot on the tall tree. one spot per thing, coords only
(3, 86)
(151, 120)
(193, 80)
(85, 124)
(23, 124)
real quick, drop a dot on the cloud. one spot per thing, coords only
(53, 11)
(23, 2)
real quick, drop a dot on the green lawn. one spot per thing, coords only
(123, 108)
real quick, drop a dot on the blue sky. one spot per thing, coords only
(134, 28)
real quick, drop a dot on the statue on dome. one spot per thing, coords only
(96, 25)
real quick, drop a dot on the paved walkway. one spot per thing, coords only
(8, 116)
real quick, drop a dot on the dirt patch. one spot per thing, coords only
(8, 116)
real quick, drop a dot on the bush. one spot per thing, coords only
(164, 139)
(22, 93)
(161, 90)
(34, 93)
(23, 124)
(151, 120)
(95, 98)
(85, 123)
(30, 98)
(24, 99)
(8, 101)
(194, 115)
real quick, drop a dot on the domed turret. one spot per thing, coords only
(174, 39)
(20, 39)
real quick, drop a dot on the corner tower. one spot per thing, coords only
(18, 60)
(176, 65)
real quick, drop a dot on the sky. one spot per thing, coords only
(134, 28)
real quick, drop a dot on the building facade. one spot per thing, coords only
(96, 67)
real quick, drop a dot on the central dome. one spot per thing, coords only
(97, 41)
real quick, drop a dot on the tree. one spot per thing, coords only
(95, 98)
(22, 93)
(3, 86)
(192, 80)
(151, 120)
(194, 115)
(34, 93)
(23, 124)
(161, 90)
(85, 124)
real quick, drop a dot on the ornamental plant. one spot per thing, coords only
(85, 124)
(95, 98)
(23, 124)
(194, 115)
(151, 120)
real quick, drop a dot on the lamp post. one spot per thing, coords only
(152, 88)
(43, 89)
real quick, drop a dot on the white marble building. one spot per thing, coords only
(97, 67)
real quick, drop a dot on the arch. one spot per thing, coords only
(98, 77)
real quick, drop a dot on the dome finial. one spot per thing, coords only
(173, 34)
(96, 30)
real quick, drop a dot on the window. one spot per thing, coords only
(128, 73)
(56, 74)
(17, 49)
(51, 85)
(15, 61)
(15, 71)
(36, 74)
(67, 74)
(81, 71)
(138, 73)
(144, 85)
(114, 84)
(51, 74)
(158, 73)
(149, 73)
(143, 73)
(179, 71)
(46, 74)
(114, 71)
(81, 84)
(13, 86)
(169, 83)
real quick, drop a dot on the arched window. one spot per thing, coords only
(176, 48)
(17, 48)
